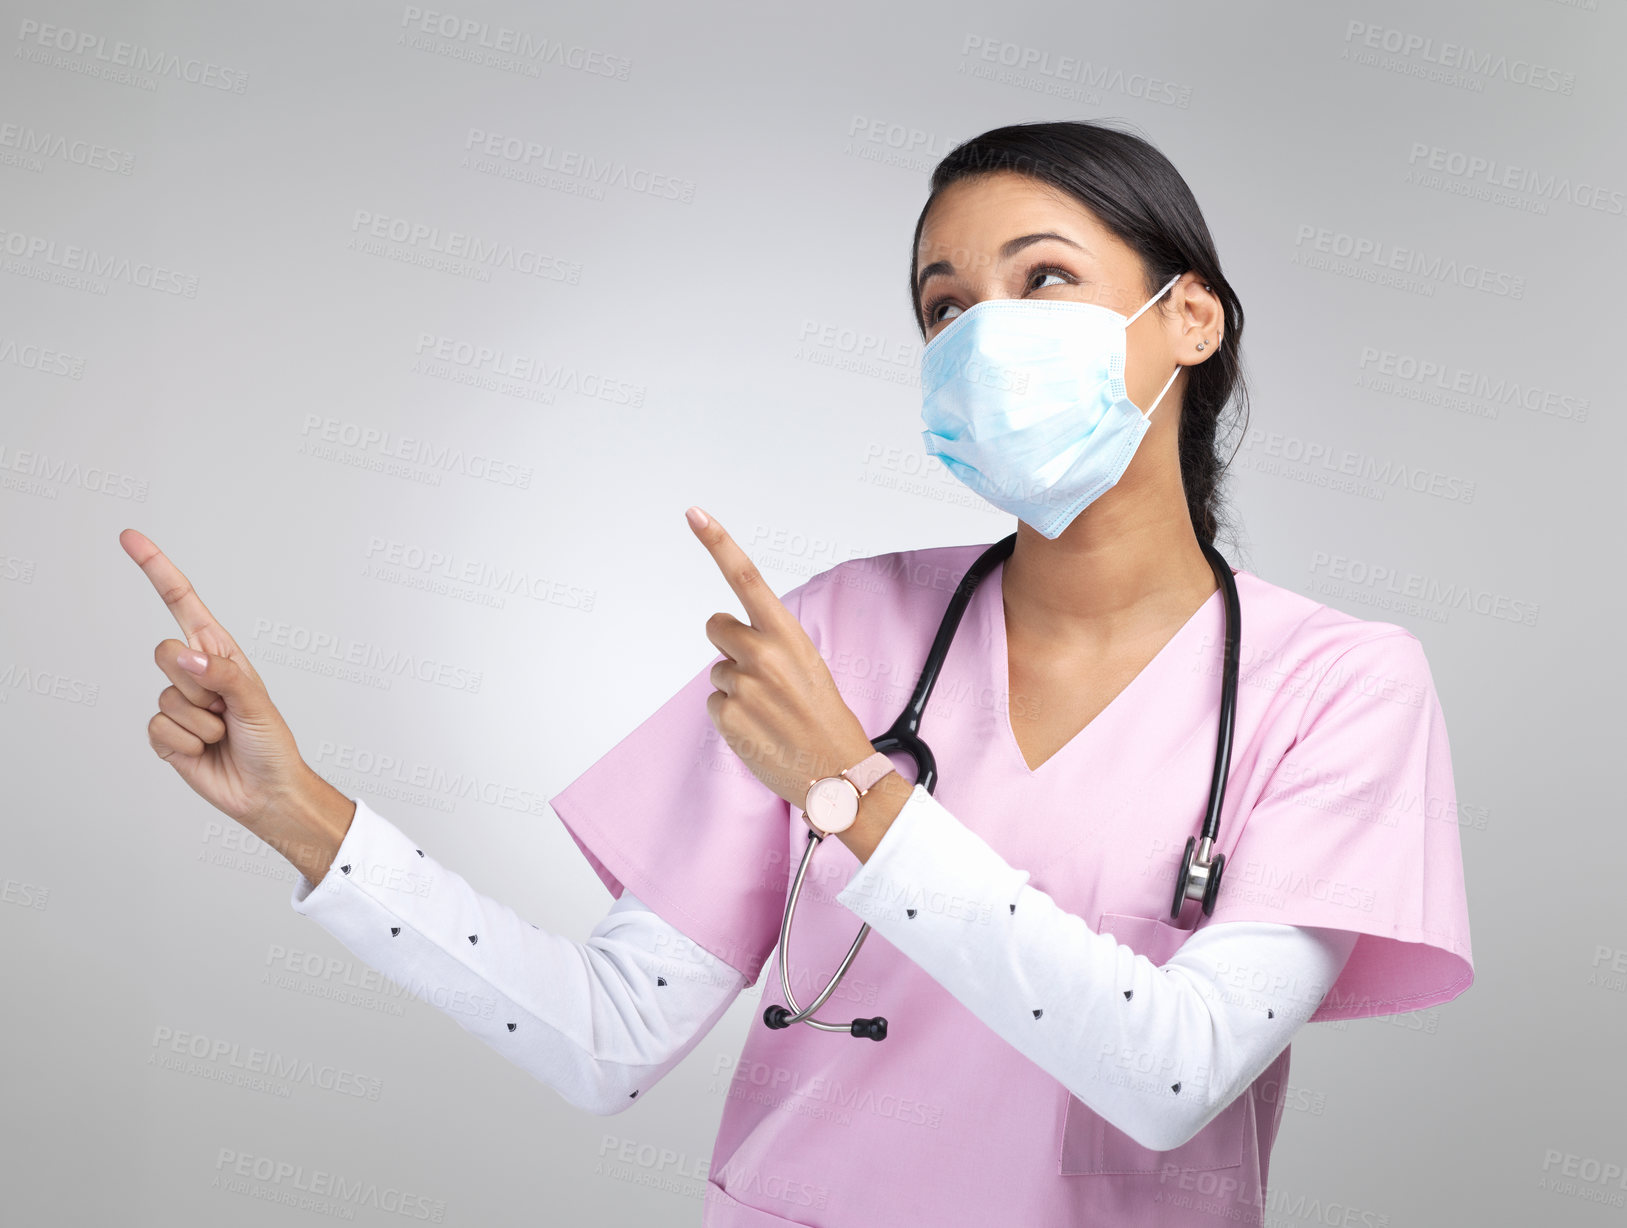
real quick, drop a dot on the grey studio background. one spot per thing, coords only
(410, 349)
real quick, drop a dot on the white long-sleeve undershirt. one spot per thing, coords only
(1084, 1007)
(602, 1020)
(598, 1021)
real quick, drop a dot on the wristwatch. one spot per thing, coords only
(833, 801)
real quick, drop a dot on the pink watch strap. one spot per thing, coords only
(868, 770)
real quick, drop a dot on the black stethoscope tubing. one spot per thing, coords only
(1197, 877)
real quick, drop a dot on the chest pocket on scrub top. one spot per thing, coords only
(1091, 1144)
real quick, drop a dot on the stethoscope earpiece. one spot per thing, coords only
(871, 1029)
(778, 1017)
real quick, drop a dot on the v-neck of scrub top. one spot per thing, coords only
(994, 614)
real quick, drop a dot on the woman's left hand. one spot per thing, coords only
(776, 704)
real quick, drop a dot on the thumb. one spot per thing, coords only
(242, 694)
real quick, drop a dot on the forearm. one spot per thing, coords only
(600, 1021)
(878, 809)
(310, 825)
(1084, 1007)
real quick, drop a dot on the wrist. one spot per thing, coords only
(316, 819)
(877, 810)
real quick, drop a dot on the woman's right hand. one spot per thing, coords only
(219, 729)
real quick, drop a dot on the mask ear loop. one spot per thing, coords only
(1147, 413)
(1155, 297)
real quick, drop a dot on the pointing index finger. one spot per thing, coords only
(177, 592)
(762, 606)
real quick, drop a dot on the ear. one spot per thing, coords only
(1203, 319)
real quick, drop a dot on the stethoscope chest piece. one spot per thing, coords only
(1199, 876)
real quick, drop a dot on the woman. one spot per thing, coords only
(1059, 1052)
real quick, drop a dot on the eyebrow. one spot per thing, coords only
(1007, 250)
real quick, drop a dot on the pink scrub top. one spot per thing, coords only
(1340, 811)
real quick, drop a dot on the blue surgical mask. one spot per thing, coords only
(1024, 401)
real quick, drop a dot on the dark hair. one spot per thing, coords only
(1136, 192)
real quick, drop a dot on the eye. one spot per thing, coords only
(1043, 271)
(1038, 273)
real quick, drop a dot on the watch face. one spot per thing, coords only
(833, 804)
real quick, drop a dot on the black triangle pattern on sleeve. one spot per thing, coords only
(395, 932)
(1128, 995)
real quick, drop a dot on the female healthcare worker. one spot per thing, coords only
(1060, 1051)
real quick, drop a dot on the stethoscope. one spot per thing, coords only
(1197, 877)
